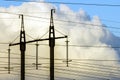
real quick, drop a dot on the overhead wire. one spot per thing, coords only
(30, 36)
(44, 34)
(60, 32)
(87, 65)
(64, 20)
(74, 73)
(82, 72)
(31, 76)
(105, 68)
(34, 74)
(102, 19)
(63, 70)
(71, 3)
(94, 64)
(73, 60)
(64, 13)
(95, 69)
(84, 46)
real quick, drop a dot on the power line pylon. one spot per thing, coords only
(9, 60)
(52, 45)
(51, 39)
(22, 47)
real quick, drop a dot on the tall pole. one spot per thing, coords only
(37, 54)
(9, 60)
(51, 44)
(22, 48)
(23, 43)
(67, 58)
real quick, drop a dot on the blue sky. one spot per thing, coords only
(107, 13)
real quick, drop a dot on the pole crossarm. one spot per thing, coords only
(37, 40)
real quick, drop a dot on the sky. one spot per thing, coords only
(96, 54)
(109, 15)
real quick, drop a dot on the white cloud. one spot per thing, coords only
(86, 32)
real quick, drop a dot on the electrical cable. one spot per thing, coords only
(83, 72)
(66, 21)
(30, 36)
(70, 3)
(110, 60)
(74, 73)
(80, 74)
(43, 35)
(60, 32)
(31, 76)
(93, 70)
(84, 46)
(93, 64)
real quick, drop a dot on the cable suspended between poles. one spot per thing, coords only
(23, 43)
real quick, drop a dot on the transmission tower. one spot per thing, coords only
(23, 43)
(22, 47)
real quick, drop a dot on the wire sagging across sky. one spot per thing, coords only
(71, 3)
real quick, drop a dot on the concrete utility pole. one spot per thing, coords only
(9, 60)
(52, 45)
(67, 57)
(37, 55)
(23, 43)
(22, 47)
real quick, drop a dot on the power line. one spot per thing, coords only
(102, 19)
(49, 12)
(85, 69)
(95, 69)
(33, 57)
(73, 73)
(71, 3)
(84, 46)
(74, 22)
(64, 20)
(33, 74)
(70, 69)
(96, 66)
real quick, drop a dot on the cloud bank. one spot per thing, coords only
(82, 30)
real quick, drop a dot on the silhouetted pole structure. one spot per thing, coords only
(9, 60)
(22, 47)
(67, 58)
(52, 45)
(23, 43)
(37, 54)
